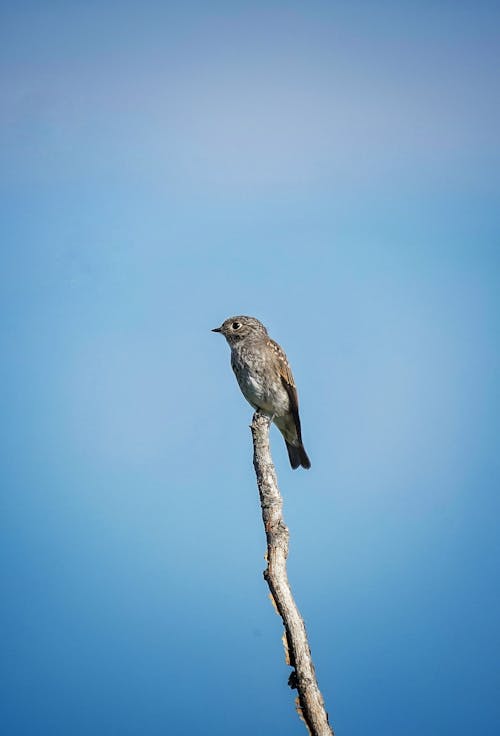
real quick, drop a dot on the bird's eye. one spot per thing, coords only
(236, 325)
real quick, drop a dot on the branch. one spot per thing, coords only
(310, 704)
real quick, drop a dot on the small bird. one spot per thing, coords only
(265, 379)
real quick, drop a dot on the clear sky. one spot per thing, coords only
(332, 169)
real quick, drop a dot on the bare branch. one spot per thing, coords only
(310, 704)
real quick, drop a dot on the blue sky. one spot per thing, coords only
(332, 169)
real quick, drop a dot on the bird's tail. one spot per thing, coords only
(297, 455)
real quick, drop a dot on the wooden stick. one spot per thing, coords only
(309, 702)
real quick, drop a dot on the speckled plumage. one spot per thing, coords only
(265, 379)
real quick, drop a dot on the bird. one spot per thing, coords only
(265, 379)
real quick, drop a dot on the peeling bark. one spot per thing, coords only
(309, 702)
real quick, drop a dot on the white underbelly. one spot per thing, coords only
(259, 394)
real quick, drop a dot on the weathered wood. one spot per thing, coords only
(310, 704)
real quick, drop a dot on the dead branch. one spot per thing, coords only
(309, 702)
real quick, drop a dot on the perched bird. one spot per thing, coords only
(265, 379)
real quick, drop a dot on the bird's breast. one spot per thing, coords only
(259, 385)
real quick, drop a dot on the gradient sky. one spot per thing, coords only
(332, 169)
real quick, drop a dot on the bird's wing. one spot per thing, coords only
(288, 382)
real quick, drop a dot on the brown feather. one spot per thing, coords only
(289, 384)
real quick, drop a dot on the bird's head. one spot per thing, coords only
(236, 329)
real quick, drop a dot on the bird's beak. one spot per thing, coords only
(217, 329)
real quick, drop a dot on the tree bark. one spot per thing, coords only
(309, 702)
